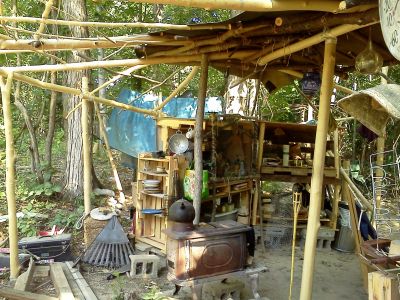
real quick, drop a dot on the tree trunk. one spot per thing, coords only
(73, 177)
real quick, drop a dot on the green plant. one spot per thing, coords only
(28, 224)
(66, 220)
(38, 190)
(153, 294)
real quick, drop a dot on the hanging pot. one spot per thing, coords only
(178, 143)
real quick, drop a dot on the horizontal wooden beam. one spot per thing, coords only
(115, 25)
(128, 62)
(66, 44)
(256, 5)
(308, 42)
(73, 91)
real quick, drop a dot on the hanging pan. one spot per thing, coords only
(178, 143)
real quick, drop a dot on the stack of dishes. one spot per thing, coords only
(151, 186)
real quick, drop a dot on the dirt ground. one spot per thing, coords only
(337, 276)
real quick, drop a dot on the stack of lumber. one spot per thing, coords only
(67, 281)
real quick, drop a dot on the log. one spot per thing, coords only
(198, 140)
(255, 5)
(10, 175)
(87, 162)
(317, 178)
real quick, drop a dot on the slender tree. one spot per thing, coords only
(73, 177)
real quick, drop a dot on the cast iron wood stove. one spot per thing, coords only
(212, 249)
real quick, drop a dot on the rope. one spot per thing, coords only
(79, 223)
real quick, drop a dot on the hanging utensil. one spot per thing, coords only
(178, 143)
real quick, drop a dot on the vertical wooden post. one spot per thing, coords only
(317, 178)
(380, 147)
(336, 197)
(10, 175)
(198, 138)
(261, 133)
(87, 169)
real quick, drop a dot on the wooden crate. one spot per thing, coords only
(383, 286)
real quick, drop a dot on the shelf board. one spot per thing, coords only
(154, 159)
(154, 173)
(291, 219)
(161, 196)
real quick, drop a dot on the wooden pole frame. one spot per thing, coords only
(163, 26)
(10, 175)
(181, 86)
(313, 223)
(255, 5)
(87, 164)
(308, 42)
(198, 138)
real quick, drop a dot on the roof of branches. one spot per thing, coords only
(248, 46)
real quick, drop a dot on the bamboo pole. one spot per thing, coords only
(188, 59)
(10, 175)
(356, 191)
(127, 72)
(317, 178)
(261, 133)
(104, 136)
(308, 42)
(198, 138)
(89, 43)
(181, 86)
(87, 168)
(42, 22)
(69, 90)
(115, 25)
(255, 5)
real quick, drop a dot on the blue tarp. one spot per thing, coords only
(132, 133)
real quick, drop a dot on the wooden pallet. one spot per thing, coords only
(295, 171)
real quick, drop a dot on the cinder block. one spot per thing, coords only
(144, 266)
(227, 289)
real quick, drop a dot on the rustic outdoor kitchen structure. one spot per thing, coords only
(274, 41)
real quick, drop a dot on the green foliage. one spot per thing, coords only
(33, 212)
(46, 189)
(152, 294)
(63, 219)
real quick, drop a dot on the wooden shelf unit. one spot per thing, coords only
(149, 227)
(302, 137)
(231, 190)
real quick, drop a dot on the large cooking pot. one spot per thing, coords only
(178, 143)
(181, 211)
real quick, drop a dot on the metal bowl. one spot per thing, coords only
(178, 143)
